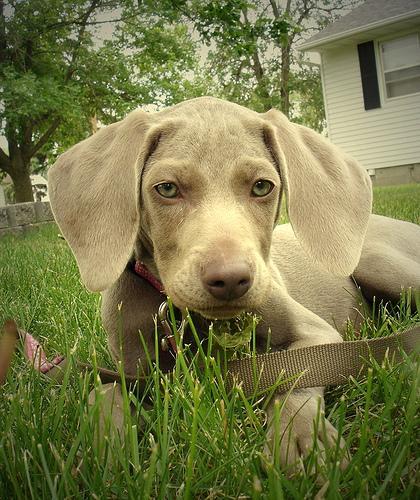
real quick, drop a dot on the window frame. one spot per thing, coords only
(379, 51)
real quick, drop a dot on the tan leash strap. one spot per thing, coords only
(312, 366)
(106, 376)
(319, 365)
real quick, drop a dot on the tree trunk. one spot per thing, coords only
(93, 123)
(285, 73)
(262, 90)
(22, 183)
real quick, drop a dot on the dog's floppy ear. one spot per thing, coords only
(328, 194)
(93, 189)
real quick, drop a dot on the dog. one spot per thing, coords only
(194, 193)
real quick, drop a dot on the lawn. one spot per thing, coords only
(196, 441)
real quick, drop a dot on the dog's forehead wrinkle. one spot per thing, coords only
(205, 130)
(211, 136)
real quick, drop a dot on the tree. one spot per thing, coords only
(57, 83)
(39, 52)
(252, 47)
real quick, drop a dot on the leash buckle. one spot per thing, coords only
(168, 340)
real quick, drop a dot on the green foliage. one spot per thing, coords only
(234, 335)
(307, 98)
(26, 95)
(401, 201)
(252, 56)
(162, 60)
(56, 79)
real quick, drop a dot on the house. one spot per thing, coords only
(370, 67)
(39, 189)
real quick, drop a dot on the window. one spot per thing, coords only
(401, 65)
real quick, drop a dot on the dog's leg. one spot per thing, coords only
(111, 417)
(296, 421)
(108, 402)
(296, 426)
(390, 259)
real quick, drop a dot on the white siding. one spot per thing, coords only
(383, 137)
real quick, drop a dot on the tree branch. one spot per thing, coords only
(258, 69)
(79, 22)
(44, 137)
(238, 72)
(307, 8)
(70, 70)
(3, 43)
(275, 9)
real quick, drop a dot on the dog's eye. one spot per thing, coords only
(262, 188)
(167, 190)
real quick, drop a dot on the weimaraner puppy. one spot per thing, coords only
(194, 192)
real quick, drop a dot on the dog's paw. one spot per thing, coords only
(108, 402)
(297, 428)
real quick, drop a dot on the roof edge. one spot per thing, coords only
(338, 36)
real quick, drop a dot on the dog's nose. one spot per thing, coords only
(227, 281)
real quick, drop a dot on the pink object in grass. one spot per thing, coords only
(36, 355)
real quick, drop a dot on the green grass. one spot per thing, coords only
(399, 202)
(197, 440)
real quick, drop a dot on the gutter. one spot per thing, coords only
(345, 34)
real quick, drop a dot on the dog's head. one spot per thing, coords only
(202, 183)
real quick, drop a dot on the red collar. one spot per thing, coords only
(141, 270)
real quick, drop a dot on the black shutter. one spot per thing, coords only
(369, 76)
